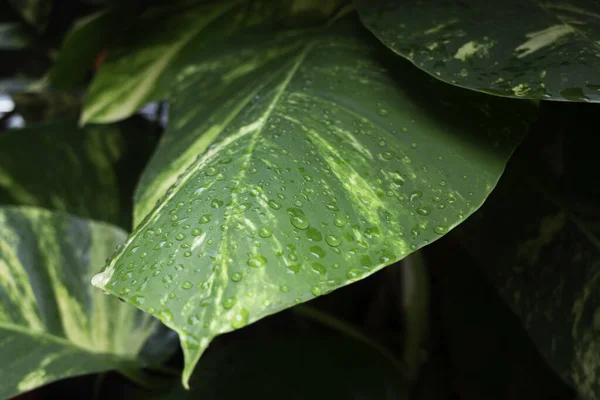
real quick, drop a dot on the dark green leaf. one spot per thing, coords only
(87, 172)
(491, 355)
(83, 45)
(321, 161)
(294, 367)
(516, 48)
(546, 248)
(35, 12)
(53, 324)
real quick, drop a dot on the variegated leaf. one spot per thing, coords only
(62, 167)
(53, 323)
(541, 49)
(297, 162)
(547, 267)
(141, 68)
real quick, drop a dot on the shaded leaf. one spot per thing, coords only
(53, 324)
(297, 367)
(13, 36)
(516, 48)
(491, 355)
(321, 162)
(83, 44)
(88, 172)
(35, 12)
(142, 68)
(547, 267)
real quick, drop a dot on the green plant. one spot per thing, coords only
(278, 151)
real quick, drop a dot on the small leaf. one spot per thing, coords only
(53, 324)
(316, 154)
(515, 48)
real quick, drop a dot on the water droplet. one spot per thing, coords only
(440, 229)
(137, 300)
(167, 279)
(314, 235)
(196, 232)
(180, 236)
(274, 205)
(413, 146)
(299, 222)
(212, 171)
(242, 208)
(416, 195)
(193, 320)
(240, 319)
(165, 316)
(319, 268)
(317, 251)
(339, 222)
(265, 232)
(423, 210)
(353, 273)
(187, 285)
(256, 261)
(216, 203)
(229, 302)
(316, 290)
(284, 288)
(236, 277)
(387, 155)
(382, 112)
(333, 240)
(205, 219)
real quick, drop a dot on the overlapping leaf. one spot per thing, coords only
(547, 267)
(62, 167)
(306, 160)
(538, 49)
(53, 324)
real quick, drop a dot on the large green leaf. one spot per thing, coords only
(273, 368)
(142, 68)
(547, 266)
(321, 161)
(53, 323)
(80, 171)
(518, 48)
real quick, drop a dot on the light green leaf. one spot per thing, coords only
(321, 161)
(516, 48)
(547, 267)
(53, 323)
(80, 171)
(142, 68)
(13, 36)
(281, 363)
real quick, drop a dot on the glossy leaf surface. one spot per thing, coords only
(53, 323)
(516, 48)
(321, 161)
